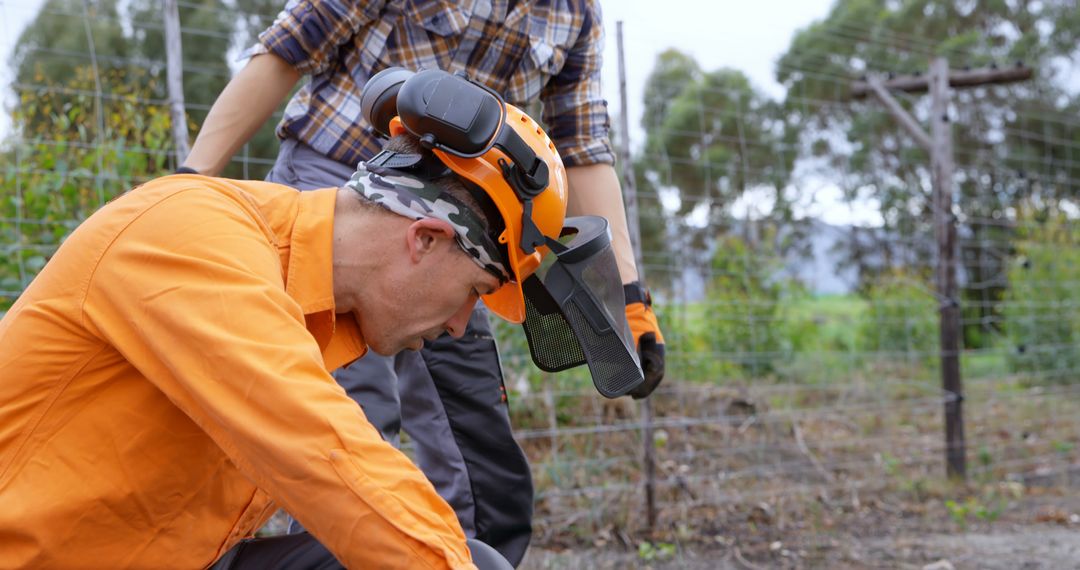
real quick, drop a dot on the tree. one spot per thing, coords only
(1011, 141)
(128, 37)
(711, 137)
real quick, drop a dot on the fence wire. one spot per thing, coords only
(802, 356)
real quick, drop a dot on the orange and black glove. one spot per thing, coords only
(647, 337)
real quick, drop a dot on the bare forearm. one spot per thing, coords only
(243, 106)
(595, 190)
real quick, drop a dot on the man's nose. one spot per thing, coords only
(456, 325)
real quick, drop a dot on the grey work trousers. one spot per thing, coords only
(449, 397)
(301, 551)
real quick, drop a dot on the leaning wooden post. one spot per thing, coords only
(941, 161)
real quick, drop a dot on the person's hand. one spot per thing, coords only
(647, 337)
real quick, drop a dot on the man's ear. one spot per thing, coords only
(424, 236)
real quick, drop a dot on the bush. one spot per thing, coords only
(901, 317)
(67, 159)
(744, 332)
(1042, 309)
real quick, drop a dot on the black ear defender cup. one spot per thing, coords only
(444, 111)
(378, 101)
(464, 117)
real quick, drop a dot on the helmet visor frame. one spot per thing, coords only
(576, 310)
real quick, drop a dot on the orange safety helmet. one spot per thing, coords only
(482, 142)
(572, 309)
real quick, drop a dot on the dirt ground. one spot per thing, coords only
(1023, 547)
(1040, 530)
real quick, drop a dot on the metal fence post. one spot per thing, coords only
(633, 226)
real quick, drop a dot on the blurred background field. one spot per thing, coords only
(787, 233)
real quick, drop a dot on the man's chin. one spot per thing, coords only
(383, 350)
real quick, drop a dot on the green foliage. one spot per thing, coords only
(822, 335)
(662, 265)
(672, 72)
(890, 464)
(1043, 304)
(985, 457)
(986, 509)
(712, 135)
(901, 316)
(958, 512)
(744, 317)
(71, 150)
(1063, 447)
(214, 28)
(650, 552)
(56, 43)
(74, 153)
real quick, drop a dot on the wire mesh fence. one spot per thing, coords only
(804, 382)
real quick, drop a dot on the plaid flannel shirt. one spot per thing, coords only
(525, 49)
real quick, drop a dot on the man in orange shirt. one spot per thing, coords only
(164, 384)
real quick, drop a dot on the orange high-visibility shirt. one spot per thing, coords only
(164, 387)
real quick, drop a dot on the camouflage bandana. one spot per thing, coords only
(416, 199)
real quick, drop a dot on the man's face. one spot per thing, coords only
(432, 290)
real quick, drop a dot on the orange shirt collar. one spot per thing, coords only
(310, 278)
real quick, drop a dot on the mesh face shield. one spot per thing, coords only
(575, 310)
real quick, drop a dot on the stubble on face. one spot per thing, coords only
(415, 306)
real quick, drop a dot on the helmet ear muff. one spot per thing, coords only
(378, 100)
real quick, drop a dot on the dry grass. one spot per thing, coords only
(786, 475)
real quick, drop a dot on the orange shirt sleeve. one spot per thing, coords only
(192, 294)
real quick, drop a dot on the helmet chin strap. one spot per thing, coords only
(531, 236)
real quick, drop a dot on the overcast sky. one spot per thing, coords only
(744, 35)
